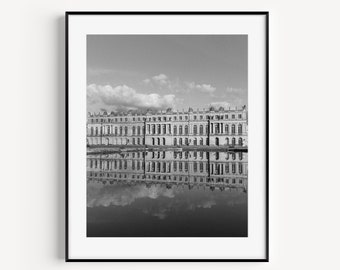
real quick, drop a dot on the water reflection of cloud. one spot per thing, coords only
(166, 201)
(100, 195)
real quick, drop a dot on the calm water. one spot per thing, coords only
(167, 194)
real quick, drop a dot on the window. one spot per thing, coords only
(126, 130)
(175, 118)
(227, 168)
(201, 141)
(133, 130)
(164, 129)
(195, 141)
(240, 141)
(180, 118)
(163, 141)
(175, 130)
(186, 130)
(226, 129)
(133, 141)
(180, 130)
(186, 141)
(201, 129)
(116, 130)
(180, 141)
(158, 141)
(138, 141)
(233, 129)
(233, 141)
(240, 129)
(120, 130)
(195, 129)
(195, 166)
(233, 116)
(175, 141)
(201, 117)
(240, 168)
(201, 166)
(138, 130)
(195, 117)
(240, 116)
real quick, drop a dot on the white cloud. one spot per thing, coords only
(125, 97)
(161, 79)
(204, 88)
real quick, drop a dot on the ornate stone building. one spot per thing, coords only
(172, 128)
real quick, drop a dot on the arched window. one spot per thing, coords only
(175, 141)
(217, 141)
(92, 131)
(240, 129)
(201, 129)
(207, 141)
(158, 141)
(180, 141)
(186, 141)
(226, 129)
(138, 130)
(164, 129)
(163, 141)
(233, 141)
(153, 141)
(108, 130)
(175, 130)
(153, 129)
(233, 129)
(159, 129)
(195, 130)
(133, 130)
(240, 141)
(133, 141)
(120, 130)
(227, 141)
(195, 141)
(186, 130)
(96, 130)
(201, 141)
(138, 141)
(126, 130)
(116, 130)
(180, 130)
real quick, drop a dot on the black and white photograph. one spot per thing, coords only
(167, 136)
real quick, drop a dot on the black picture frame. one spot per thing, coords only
(165, 13)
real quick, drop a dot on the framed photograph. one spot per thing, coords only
(167, 136)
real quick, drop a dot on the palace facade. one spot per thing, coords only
(170, 128)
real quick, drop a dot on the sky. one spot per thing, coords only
(140, 72)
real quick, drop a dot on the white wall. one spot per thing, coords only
(304, 94)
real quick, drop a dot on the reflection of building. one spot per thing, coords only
(214, 169)
(201, 127)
